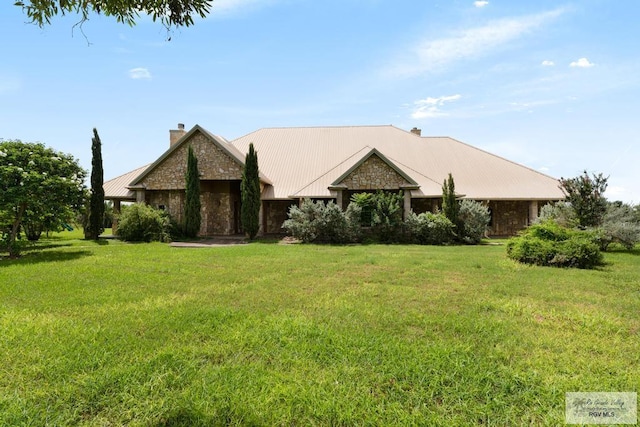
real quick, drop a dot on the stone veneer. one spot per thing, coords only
(219, 185)
(374, 174)
(213, 164)
(508, 217)
(275, 214)
(425, 205)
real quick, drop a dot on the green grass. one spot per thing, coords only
(110, 333)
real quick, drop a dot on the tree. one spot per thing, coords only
(96, 202)
(250, 193)
(38, 181)
(192, 216)
(450, 206)
(171, 13)
(586, 195)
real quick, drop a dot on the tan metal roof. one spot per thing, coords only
(303, 162)
(306, 162)
(116, 188)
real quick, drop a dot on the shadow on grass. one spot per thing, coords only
(36, 257)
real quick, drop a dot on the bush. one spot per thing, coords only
(429, 228)
(142, 223)
(474, 219)
(620, 225)
(560, 212)
(549, 244)
(386, 217)
(317, 221)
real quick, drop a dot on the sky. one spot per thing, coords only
(552, 85)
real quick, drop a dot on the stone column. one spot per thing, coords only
(339, 198)
(407, 203)
(533, 211)
(262, 219)
(140, 195)
(116, 212)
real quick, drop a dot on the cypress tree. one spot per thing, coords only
(250, 193)
(96, 203)
(450, 206)
(192, 216)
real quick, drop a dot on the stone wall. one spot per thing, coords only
(374, 174)
(275, 214)
(213, 164)
(171, 201)
(220, 177)
(419, 206)
(508, 217)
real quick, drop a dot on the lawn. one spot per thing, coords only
(110, 333)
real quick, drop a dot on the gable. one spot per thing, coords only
(374, 172)
(214, 163)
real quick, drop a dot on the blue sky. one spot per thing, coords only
(549, 84)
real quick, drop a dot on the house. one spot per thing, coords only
(333, 163)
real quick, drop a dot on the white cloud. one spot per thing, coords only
(224, 7)
(548, 63)
(139, 73)
(480, 3)
(432, 55)
(582, 63)
(430, 107)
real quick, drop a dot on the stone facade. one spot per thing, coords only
(275, 214)
(425, 205)
(213, 164)
(374, 174)
(220, 177)
(508, 217)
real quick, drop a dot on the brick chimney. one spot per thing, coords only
(416, 131)
(176, 134)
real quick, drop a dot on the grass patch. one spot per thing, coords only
(266, 334)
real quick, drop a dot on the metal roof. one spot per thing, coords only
(117, 188)
(304, 162)
(308, 161)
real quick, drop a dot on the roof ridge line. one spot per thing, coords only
(329, 170)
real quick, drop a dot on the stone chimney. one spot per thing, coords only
(176, 134)
(416, 131)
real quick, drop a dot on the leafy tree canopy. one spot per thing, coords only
(39, 180)
(171, 13)
(586, 195)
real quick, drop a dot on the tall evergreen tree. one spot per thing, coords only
(192, 216)
(450, 206)
(95, 221)
(250, 189)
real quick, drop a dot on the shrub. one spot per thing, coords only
(549, 244)
(386, 217)
(315, 221)
(474, 219)
(382, 211)
(142, 223)
(620, 225)
(560, 212)
(429, 228)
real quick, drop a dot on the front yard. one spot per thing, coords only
(269, 334)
